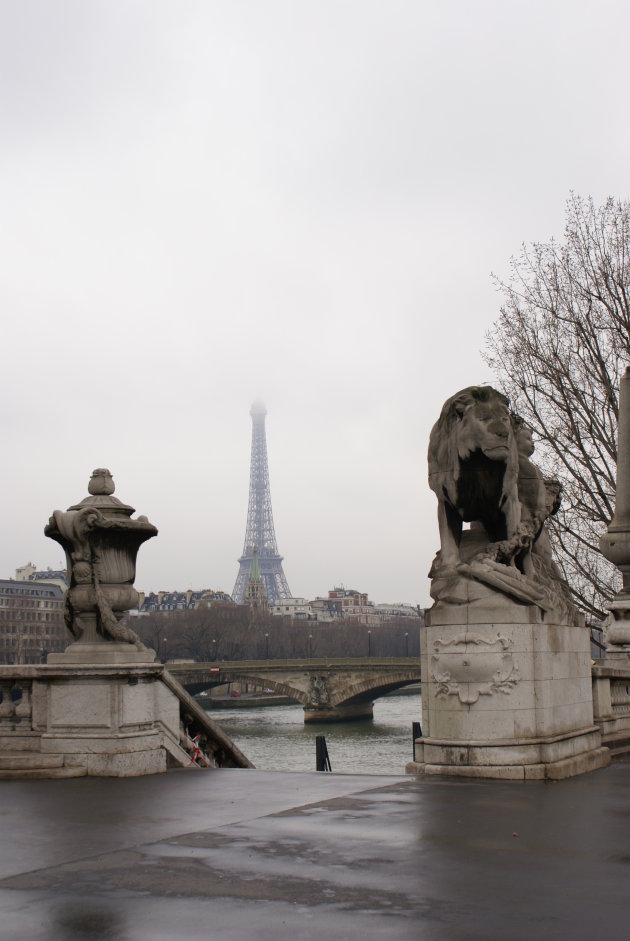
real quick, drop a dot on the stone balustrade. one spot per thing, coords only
(46, 726)
(611, 704)
(15, 705)
(620, 697)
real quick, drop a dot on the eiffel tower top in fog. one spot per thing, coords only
(260, 531)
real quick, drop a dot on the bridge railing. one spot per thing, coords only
(611, 704)
(195, 720)
(179, 666)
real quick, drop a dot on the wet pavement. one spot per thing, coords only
(236, 854)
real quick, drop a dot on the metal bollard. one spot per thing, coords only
(416, 732)
(322, 761)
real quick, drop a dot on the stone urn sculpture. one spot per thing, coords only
(101, 543)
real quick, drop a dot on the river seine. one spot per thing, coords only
(275, 738)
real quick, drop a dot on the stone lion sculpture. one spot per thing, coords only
(481, 472)
(473, 468)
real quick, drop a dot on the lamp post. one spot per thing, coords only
(406, 644)
(310, 646)
(369, 643)
(615, 543)
(266, 646)
(214, 651)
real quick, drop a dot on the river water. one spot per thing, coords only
(275, 738)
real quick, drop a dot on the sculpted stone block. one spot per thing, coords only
(481, 473)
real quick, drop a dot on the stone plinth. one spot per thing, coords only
(506, 693)
(109, 719)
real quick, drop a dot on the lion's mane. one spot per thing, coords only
(453, 446)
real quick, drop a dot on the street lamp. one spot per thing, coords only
(406, 645)
(214, 650)
(266, 646)
(369, 643)
(310, 646)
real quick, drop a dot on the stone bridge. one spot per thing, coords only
(330, 690)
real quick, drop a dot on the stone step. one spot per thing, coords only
(25, 774)
(25, 761)
(618, 743)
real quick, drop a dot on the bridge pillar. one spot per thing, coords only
(344, 713)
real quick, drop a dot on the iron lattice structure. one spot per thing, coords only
(260, 530)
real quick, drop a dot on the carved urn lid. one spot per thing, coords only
(101, 487)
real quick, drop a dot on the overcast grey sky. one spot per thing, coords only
(207, 203)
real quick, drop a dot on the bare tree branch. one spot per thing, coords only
(558, 349)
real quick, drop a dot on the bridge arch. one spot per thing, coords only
(328, 690)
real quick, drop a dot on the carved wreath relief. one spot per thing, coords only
(468, 673)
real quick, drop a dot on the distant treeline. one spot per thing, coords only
(229, 632)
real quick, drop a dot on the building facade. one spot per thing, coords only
(31, 621)
(167, 601)
(29, 573)
(293, 609)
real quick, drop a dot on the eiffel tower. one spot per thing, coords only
(260, 531)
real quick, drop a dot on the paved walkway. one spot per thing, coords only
(247, 855)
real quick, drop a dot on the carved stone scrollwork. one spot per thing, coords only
(101, 542)
(460, 668)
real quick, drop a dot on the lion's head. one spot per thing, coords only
(473, 457)
(475, 419)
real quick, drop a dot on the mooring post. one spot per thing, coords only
(416, 732)
(322, 761)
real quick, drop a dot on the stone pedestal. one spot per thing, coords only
(506, 693)
(108, 717)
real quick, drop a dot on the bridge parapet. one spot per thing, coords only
(611, 704)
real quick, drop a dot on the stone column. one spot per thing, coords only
(615, 544)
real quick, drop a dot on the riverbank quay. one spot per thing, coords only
(236, 854)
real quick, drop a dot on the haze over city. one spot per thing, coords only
(207, 204)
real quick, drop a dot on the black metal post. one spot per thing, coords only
(416, 732)
(369, 643)
(322, 761)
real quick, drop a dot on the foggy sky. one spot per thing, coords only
(203, 204)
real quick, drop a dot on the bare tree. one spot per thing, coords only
(558, 350)
(227, 632)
